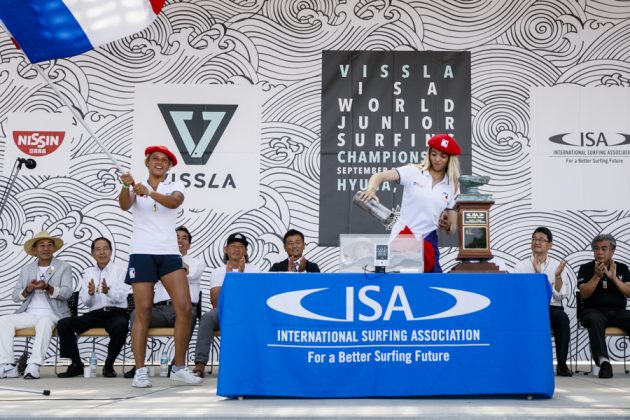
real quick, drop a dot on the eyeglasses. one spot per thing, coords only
(540, 240)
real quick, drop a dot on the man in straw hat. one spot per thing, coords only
(42, 289)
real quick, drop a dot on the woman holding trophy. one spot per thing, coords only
(428, 197)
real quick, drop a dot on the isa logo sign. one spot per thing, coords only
(42, 136)
(215, 133)
(580, 143)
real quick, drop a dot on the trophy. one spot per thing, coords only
(375, 209)
(474, 226)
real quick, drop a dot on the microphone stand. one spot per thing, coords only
(30, 164)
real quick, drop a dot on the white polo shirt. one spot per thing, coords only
(549, 268)
(422, 203)
(218, 275)
(153, 224)
(115, 279)
(39, 304)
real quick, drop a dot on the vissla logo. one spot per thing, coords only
(591, 139)
(38, 143)
(196, 128)
(290, 303)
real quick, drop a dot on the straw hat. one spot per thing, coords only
(30, 244)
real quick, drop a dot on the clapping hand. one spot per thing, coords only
(612, 272)
(104, 286)
(600, 269)
(560, 268)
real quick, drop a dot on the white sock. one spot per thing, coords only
(176, 368)
(603, 359)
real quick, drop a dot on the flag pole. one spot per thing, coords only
(78, 117)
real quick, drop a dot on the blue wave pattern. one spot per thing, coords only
(277, 45)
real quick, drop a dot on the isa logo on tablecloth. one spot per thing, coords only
(372, 309)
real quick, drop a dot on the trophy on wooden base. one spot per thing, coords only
(473, 210)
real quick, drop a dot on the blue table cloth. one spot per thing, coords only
(383, 335)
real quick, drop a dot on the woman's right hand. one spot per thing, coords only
(368, 195)
(127, 178)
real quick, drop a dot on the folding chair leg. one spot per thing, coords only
(56, 354)
(625, 368)
(216, 344)
(211, 357)
(588, 372)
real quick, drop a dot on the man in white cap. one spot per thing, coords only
(43, 289)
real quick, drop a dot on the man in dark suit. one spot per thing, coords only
(294, 246)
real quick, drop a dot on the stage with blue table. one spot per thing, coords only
(385, 335)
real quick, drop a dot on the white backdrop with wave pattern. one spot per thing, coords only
(277, 45)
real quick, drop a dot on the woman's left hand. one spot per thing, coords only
(141, 189)
(445, 221)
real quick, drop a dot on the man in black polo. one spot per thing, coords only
(604, 286)
(104, 292)
(294, 246)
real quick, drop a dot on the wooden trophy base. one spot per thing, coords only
(475, 267)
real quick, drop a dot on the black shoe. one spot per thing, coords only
(605, 370)
(563, 370)
(75, 369)
(131, 373)
(109, 372)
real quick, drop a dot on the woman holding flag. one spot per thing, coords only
(155, 256)
(428, 197)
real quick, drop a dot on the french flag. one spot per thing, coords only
(47, 29)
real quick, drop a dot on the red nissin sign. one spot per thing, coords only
(38, 143)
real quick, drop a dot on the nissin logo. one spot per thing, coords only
(290, 303)
(591, 139)
(38, 143)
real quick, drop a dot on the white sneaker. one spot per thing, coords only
(186, 376)
(141, 378)
(32, 371)
(8, 370)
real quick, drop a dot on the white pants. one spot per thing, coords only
(44, 327)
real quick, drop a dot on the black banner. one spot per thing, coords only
(378, 110)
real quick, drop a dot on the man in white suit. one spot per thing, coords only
(43, 289)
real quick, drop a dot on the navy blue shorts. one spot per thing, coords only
(151, 268)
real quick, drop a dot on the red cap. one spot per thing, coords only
(445, 143)
(162, 149)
